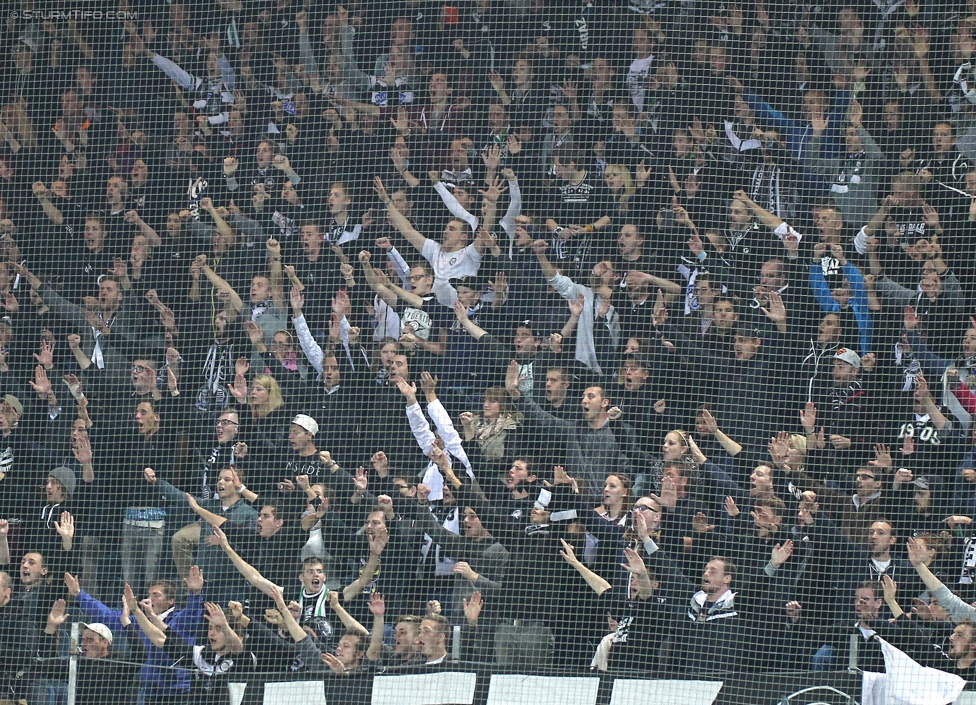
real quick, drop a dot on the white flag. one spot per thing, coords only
(907, 682)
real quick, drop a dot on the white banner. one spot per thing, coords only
(664, 692)
(542, 690)
(448, 688)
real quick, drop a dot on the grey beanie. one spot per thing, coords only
(66, 476)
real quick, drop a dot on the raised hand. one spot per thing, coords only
(576, 306)
(66, 526)
(331, 660)
(669, 492)
(911, 320)
(214, 614)
(882, 456)
(568, 553)
(512, 378)
(56, 617)
(779, 447)
(380, 190)
(380, 463)
(808, 417)
(361, 480)
(473, 607)
(560, 476)
(492, 157)
(890, 589)
(407, 389)
(777, 309)
(72, 584)
(428, 383)
(378, 541)
(296, 299)
(700, 523)
(194, 580)
(916, 552)
(781, 553)
(46, 355)
(931, 216)
(635, 564)
(377, 605)
(41, 384)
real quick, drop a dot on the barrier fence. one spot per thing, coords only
(469, 684)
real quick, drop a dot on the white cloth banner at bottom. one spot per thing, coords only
(424, 689)
(907, 682)
(664, 692)
(506, 689)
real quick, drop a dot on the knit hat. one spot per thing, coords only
(848, 356)
(66, 476)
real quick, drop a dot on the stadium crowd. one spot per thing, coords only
(553, 334)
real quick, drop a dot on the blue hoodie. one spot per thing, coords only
(158, 676)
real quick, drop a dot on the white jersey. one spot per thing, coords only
(449, 265)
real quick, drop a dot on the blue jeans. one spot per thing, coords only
(48, 692)
(141, 551)
(823, 660)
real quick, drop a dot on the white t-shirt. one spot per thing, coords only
(636, 81)
(449, 265)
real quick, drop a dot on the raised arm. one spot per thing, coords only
(596, 583)
(441, 419)
(313, 351)
(456, 209)
(415, 416)
(548, 270)
(4, 546)
(348, 621)
(156, 636)
(43, 196)
(470, 327)
(249, 572)
(221, 284)
(376, 281)
(151, 235)
(730, 446)
(215, 520)
(291, 625)
(377, 542)
(400, 221)
(957, 609)
(377, 606)
(277, 281)
(770, 220)
(223, 229)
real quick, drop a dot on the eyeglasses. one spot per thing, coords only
(417, 277)
(643, 508)
(224, 423)
(140, 369)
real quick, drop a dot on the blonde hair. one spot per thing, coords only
(799, 441)
(629, 189)
(14, 116)
(275, 399)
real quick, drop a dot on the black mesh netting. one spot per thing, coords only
(519, 350)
